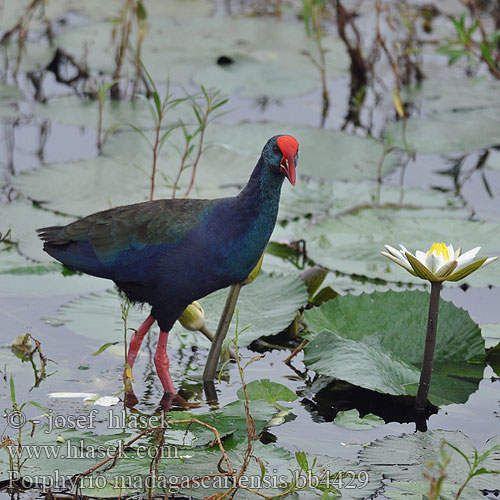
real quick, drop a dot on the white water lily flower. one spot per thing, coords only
(440, 263)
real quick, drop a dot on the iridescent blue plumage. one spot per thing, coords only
(169, 253)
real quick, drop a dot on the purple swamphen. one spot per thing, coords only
(169, 253)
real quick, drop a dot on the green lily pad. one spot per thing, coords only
(456, 116)
(23, 218)
(491, 335)
(397, 321)
(263, 50)
(405, 458)
(376, 341)
(268, 390)
(71, 451)
(269, 304)
(22, 277)
(493, 160)
(123, 175)
(458, 94)
(35, 56)
(350, 419)
(9, 97)
(77, 111)
(323, 153)
(448, 131)
(96, 9)
(352, 244)
(419, 490)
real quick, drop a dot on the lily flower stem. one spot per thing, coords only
(220, 334)
(210, 336)
(430, 346)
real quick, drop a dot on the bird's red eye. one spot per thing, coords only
(276, 150)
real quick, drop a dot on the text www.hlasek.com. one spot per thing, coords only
(80, 450)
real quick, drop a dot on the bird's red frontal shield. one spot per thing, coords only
(289, 147)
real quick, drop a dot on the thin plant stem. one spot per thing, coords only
(155, 159)
(198, 155)
(220, 334)
(430, 346)
(296, 351)
(210, 336)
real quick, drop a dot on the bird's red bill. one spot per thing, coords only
(289, 147)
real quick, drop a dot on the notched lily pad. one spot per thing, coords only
(352, 244)
(405, 458)
(457, 116)
(269, 305)
(263, 54)
(376, 341)
(350, 419)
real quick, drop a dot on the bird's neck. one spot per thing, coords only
(262, 193)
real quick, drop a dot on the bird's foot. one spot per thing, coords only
(171, 402)
(167, 401)
(130, 399)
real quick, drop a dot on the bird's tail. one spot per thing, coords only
(52, 235)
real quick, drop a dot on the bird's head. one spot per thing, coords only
(281, 154)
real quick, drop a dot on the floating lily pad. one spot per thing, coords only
(352, 244)
(9, 97)
(269, 304)
(419, 490)
(457, 116)
(448, 131)
(35, 56)
(405, 458)
(323, 153)
(263, 50)
(376, 341)
(491, 335)
(23, 218)
(76, 450)
(350, 419)
(493, 160)
(453, 95)
(96, 9)
(268, 390)
(124, 175)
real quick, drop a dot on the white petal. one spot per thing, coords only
(405, 250)
(451, 252)
(394, 252)
(446, 269)
(428, 261)
(467, 258)
(489, 260)
(437, 260)
(83, 395)
(404, 264)
(107, 401)
(421, 256)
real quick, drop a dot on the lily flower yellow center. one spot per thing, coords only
(440, 249)
(441, 263)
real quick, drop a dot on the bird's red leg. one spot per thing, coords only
(136, 340)
(162, 364)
